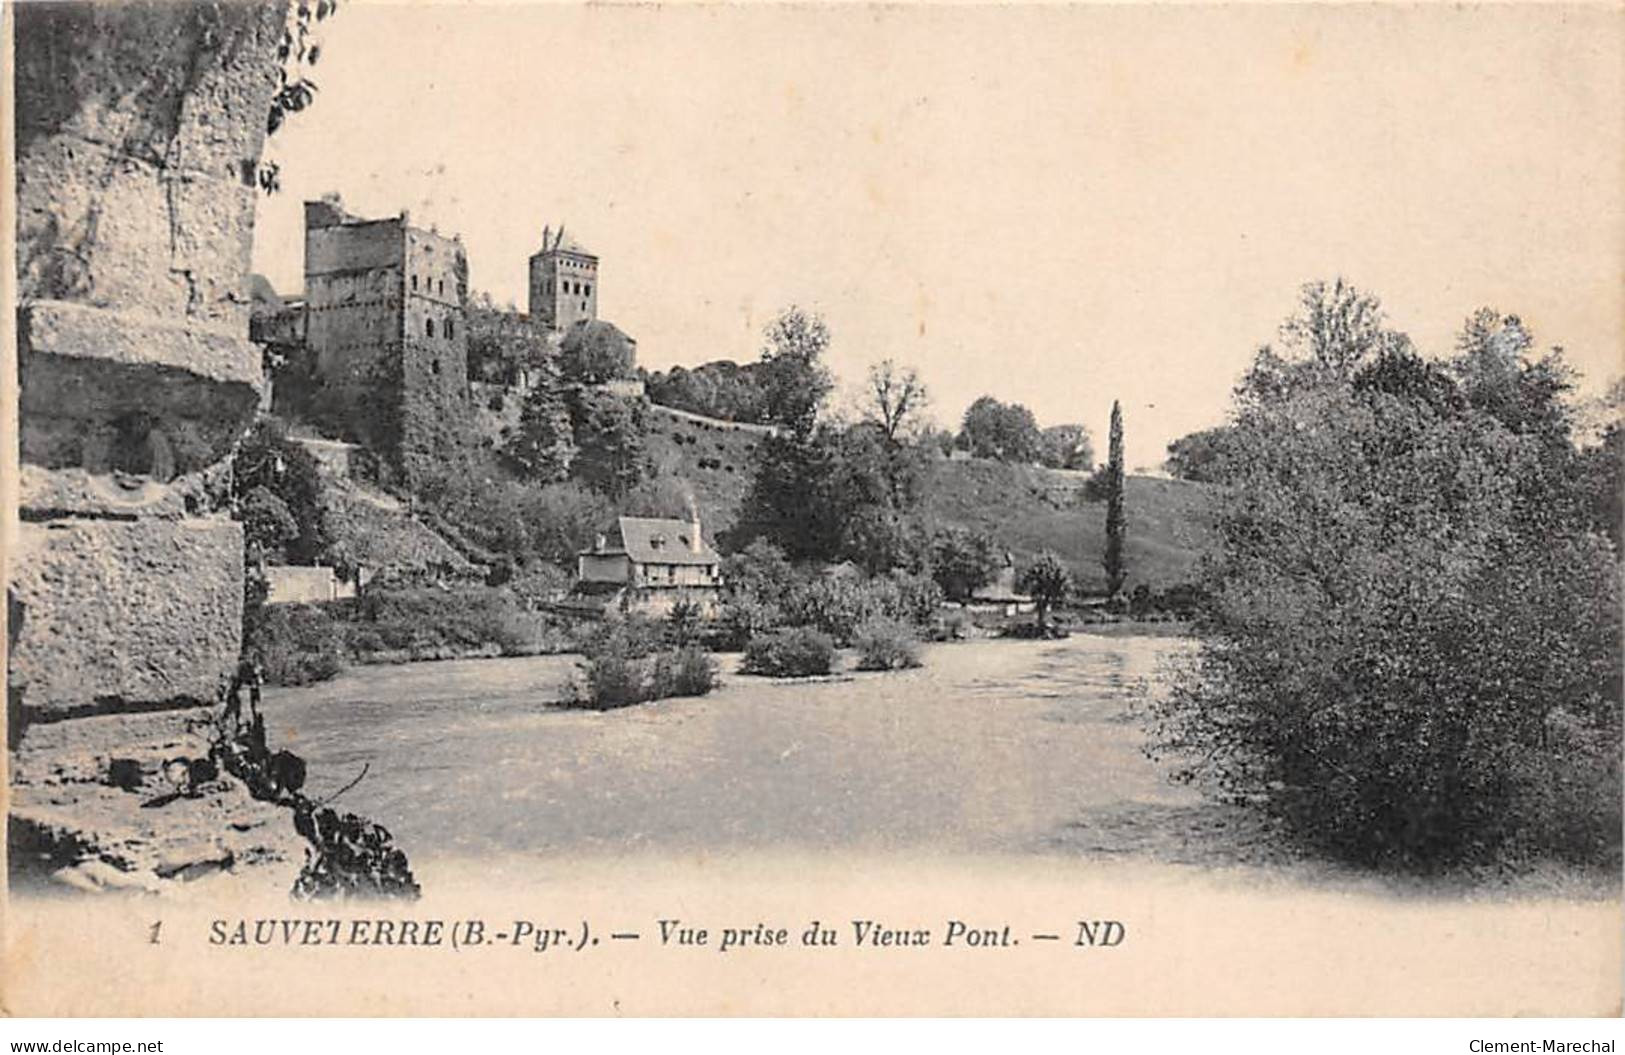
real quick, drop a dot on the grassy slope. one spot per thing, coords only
(716, 463)
(1024, 508)
(1028, 509)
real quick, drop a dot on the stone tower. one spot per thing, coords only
(563, 282)
(385, 332)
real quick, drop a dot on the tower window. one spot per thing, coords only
(440, 286)
(414, 282)
(589, 289)
(434, 365)
(428, 327)
(448, 330)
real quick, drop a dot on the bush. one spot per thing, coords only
(624, 666)
(886, 644)
(431, 622)
(295, 644)
(795, 653)
(686, 671)
(1411, 634)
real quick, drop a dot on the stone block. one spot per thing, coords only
(121, 614)
(118, 391)
(100, 228)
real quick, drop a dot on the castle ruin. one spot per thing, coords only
(385, 333)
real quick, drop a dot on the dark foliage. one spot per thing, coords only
(794, 653)
(1411, 633)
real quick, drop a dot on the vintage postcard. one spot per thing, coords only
(827, 509)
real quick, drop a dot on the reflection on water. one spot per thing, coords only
(992, 747)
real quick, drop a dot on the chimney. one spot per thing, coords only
(547, 233)
(695, 543)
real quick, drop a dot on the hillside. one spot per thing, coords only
(1025, 508)
(1028, 509)
(713, 458)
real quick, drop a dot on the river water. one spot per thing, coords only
(1003, 747)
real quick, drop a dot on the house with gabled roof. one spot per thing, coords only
(652, 563)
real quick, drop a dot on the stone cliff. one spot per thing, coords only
(138, 138)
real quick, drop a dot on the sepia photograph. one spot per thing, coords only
(813, 509)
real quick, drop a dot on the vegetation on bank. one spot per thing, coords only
(1411, 637)
(631, 661)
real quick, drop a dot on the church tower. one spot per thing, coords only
(563, 282)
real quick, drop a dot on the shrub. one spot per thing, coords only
(623, 667)
(795, 653)
(295, 644)
(686, 671)
(1411, 635)
(744, 618)
(436, 622)
(886, 644)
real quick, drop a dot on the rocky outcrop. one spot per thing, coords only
(139, 128)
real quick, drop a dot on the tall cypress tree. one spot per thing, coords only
(1113, 561)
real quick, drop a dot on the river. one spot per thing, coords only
(1002, 747)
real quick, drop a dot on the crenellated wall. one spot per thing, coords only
(139, 132)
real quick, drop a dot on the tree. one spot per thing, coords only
(1007, 432)
(595, 351)
(896, 399)
(609, 436)
(1066, 447)
(792, 501)
(266, 458)
(795, 382)
(1115, 520)
(962, 562)
(268, 526)
(1199, 456)
(1405, 659)
(720, 389)
(1046, 581)
(542, 445)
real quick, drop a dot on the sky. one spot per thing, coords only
(1054, 206)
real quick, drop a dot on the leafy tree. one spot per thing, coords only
(268, 525)
(760, 572)
(896, 399)
(792, 500)
(1066, 447)
(266, 458)
(1007, 432)
(1198, 456)
(1403, 657)
(503, 343)
(1046, 580)
(542, 446)
(562, 519)
(1116, 522)
(962, 562)
(609, 435)
(795, 381)
(720, 389)
(595, 351)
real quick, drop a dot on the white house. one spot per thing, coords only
(653, 564)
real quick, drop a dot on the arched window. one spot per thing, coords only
(414, 282)
(428, 327)
(440, 286)
(449, 333)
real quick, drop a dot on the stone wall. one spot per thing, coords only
(139, 131)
